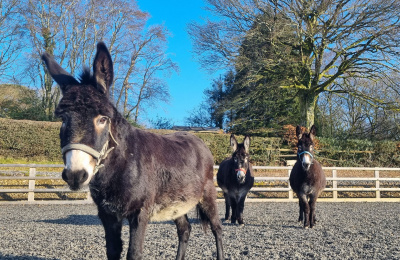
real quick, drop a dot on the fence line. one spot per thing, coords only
(334, 187)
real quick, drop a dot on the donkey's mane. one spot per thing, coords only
(86, 77)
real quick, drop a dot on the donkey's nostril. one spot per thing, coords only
(85, 175)
(64, 175)
(75, 179)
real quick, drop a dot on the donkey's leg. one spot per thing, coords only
(137, 229)
(301, 211)
(240, 210)
(208, 212)
(227, 206)
(235, 210)
(112, 227)
(306, 209)
(184, 228)
(313, 200)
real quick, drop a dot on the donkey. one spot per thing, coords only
(235, 178)
(307, 178)
(132, 174)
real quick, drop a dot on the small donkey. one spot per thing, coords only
(307, 178)
(235, 178)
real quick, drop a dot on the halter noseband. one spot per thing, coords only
(87, 149)
(307, 152)
(240, 170)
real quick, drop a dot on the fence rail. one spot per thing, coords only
(334, 187)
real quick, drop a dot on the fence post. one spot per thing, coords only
(290, 188)
(334, 184)
(89, 197)
(31, 194)
(377, 183)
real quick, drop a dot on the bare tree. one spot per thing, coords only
(44, 24)
(335, 41)
(350, 117)
(10, 37)
(69, 30)
(147, 65)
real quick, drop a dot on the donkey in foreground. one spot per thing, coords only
(235, 178)
(307, 178)
(131, 173)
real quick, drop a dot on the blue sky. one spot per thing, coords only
(186, 88)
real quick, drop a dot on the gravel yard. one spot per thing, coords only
(344, 231)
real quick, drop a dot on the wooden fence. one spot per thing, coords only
(334, 188)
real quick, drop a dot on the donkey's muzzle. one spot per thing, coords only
(74, 179)
(306, 166)
(241, 176)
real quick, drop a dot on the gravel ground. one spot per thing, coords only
(344, 231)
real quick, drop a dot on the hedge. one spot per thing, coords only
(353, 153)
(31, 140)
(39, 141)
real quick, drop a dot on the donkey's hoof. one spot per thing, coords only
(226, 220)
(241, 225)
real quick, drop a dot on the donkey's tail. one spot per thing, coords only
(204, 219)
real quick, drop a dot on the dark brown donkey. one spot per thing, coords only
(235, 177)
(132, 174)
(307, 178)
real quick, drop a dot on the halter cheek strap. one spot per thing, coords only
(99, 156)
(307, 152)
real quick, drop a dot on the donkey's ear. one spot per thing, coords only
(298, 132)
(234, 143)
(313, 132)
(103, 68)
(60, 76)
(246, 143)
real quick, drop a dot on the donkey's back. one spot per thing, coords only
(180, 152)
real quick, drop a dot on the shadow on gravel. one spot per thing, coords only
(90, 220)
(77, 220)
(23, 257)
(293, 227)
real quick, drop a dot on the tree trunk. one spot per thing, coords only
(308, 100)
(48, 80)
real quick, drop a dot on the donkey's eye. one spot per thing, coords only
(103, 120)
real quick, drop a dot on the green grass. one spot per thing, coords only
(26, 161)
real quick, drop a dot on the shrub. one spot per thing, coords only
(31, 140)
(39, 141)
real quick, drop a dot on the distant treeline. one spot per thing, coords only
(39, 141)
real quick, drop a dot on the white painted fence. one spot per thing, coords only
(334, 186)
